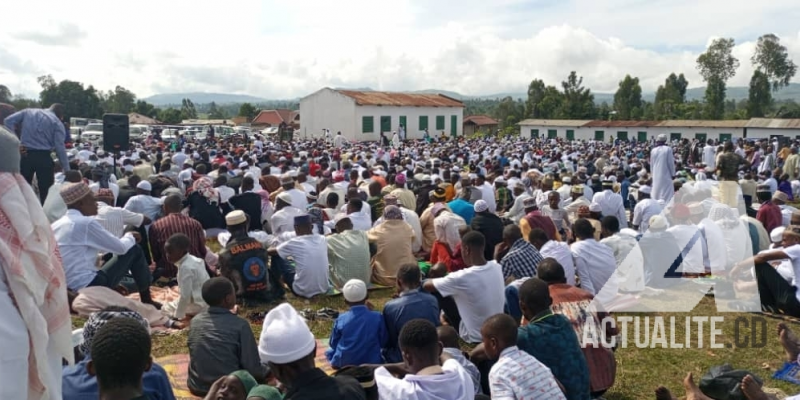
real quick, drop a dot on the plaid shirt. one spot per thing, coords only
(521, 260)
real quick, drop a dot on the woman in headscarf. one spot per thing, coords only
(393, 238)
(447, 227)
(78, 384)
(204, 206)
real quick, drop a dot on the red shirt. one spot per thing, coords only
(770, 216)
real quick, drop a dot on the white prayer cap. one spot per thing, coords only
(644, 189)
(658, 223)
(243, 164)
(595, 207)
(144, 185)
(776, 236)
(285, 337)
(285, 197)
(355, 290)
(662, 137)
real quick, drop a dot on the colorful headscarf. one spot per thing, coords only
(205, 187)
(392, 213)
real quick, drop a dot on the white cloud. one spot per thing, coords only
(281, 49)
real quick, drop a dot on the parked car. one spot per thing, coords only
(137, 132)
(92, 133)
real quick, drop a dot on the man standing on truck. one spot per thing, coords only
(41, 131)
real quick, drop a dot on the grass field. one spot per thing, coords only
(639, 371)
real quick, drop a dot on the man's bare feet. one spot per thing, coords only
(789, 342)
(692, 391)
(751, 388)
(663, 393)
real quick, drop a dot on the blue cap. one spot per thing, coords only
(302, 220)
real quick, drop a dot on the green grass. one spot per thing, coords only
(639, 371)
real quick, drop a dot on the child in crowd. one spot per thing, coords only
(120, 356)
(359, 334)
(219, 341)
(449, 339)
(192, 275)
(234, 386)
(517, 374)
(422, 375)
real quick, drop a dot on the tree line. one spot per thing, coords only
(773, 70)
(88, 102)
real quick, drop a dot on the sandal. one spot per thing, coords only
(327, 313)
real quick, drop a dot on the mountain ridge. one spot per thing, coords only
(791, 92)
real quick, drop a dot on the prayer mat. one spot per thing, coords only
(177, 367)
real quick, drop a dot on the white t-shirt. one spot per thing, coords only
(454, 383)
(310, 254)
(794, 255)
(463, 285)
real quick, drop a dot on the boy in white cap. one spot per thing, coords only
(359, 334)
(288, 347)
(645, 209)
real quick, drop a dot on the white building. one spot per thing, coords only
(763, 128)
(634, 130)
(362, 115)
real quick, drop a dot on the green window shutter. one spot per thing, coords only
(570, 134)
(552, 133)
(674, 136)
(423, 122)
(367, 124)
(641, 136)
(600, 135)
(439, 122)
(454, 125)
(386, 124)
(725, 137)
(700, 136)
(622, 136)
(534, 133)
(403, 122)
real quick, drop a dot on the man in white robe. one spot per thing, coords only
(662, 167)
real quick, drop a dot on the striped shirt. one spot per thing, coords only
(165, 227)
(518, 375)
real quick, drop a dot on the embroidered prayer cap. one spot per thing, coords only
(481, 206)
(354, 290)
(100, 318)
(72, 193)
(235, 217)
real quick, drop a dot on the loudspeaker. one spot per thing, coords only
(116, 132)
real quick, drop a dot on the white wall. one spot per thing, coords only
(765, 133)
(327, 109)
(587, 133)
(412, 115)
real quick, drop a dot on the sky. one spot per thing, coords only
(291, 48)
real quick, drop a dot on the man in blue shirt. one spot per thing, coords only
(40, 132)
(412, 303)
(463, 208)
(359, 334)
(77, 384)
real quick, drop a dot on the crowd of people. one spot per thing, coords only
(505, 246)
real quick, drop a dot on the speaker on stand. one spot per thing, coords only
(116, 135)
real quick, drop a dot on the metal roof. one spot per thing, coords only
(364, 98)
(774, 123)
(621, 124)
(696, 123)
(554, 122)
(480, 120)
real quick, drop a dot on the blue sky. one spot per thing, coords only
(284, 49)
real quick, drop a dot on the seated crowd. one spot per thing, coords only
(495, 271)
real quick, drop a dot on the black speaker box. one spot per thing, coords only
(116, 132)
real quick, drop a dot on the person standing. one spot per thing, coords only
(728, 175)
(40, 132)
(33, 290)
(662, 166)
